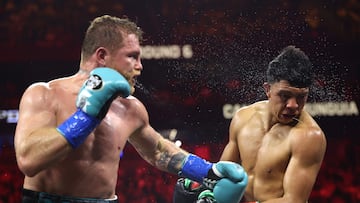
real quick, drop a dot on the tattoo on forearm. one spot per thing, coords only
(164, 159)
(175, 162)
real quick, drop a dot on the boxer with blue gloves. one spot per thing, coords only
(94, 98)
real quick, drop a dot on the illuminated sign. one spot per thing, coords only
(11, 115)
(166, 52)
(315, 109)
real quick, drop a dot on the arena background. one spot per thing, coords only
(202, 61)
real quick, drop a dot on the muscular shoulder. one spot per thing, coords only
(247, 112)
(41, 91)
(248, 115)
(307, 127)
(307, 139)
(48, 94)
(137, 117)
(134, 104)
(37, 93)
(135, 108)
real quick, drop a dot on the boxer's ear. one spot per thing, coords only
(267, 89)
(101, 54)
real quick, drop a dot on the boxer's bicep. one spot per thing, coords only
(231, 153)
(307, 150)
(145, 141)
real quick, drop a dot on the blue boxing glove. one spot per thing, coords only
(227, 179)
(231, 188)
(93, 102)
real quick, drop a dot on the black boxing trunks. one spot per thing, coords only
(30, 196)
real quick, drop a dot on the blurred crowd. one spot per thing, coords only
(233, 41)
(52, 22)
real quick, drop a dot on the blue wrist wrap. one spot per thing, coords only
(195, 168)
(77, 127)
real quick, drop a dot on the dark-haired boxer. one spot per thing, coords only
(276, 141)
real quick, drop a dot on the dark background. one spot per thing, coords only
(232, 42)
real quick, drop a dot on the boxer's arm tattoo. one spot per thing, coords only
(171, 162)
(175, 162)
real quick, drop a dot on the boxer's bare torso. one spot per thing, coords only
(90, 170)
(279, 158)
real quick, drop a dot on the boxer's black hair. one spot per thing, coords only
(292, 65)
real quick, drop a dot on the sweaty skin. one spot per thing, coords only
(279, 145)
(46, 158)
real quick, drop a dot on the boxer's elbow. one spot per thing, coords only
(27, 166)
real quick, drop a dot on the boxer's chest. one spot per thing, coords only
(273, 154)
(259, 147)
